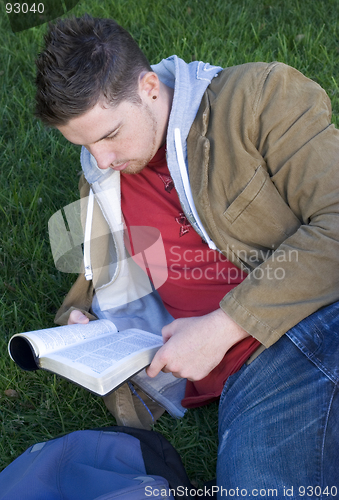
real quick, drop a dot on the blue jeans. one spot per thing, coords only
(279, 417)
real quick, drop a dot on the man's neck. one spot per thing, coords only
(165, 106)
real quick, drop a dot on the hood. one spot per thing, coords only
(189, 82)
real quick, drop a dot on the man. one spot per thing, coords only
(237, 169)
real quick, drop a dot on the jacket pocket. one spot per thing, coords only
(259, 216)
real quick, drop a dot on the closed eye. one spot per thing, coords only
(113, 136)
(110, 134)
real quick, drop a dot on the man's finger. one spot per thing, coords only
(167, 332)
(156, 366)
(77, 317)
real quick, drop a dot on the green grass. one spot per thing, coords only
(39, 175)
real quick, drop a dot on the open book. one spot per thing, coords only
(95, 356)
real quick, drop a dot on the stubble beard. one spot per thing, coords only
(138, 165)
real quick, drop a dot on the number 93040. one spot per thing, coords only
(24, 8)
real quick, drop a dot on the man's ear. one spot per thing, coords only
(149, 85)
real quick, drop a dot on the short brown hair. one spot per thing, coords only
(84, 60)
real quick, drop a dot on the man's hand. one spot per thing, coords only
(77, 317)
(194, 346)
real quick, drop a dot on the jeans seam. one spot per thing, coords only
(311, 356)
(324, 438)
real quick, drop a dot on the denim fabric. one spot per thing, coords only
(279, 417)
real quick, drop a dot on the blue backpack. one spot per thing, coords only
(104, 464)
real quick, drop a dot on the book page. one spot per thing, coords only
(51, 339)
(100, 354)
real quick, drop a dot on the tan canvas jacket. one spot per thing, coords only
(263, 166)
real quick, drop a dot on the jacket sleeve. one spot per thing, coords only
(81, 294)
(292, 131)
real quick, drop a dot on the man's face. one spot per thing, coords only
(124, 138)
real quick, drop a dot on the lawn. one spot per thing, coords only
(39, 175)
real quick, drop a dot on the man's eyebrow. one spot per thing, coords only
(109, 133)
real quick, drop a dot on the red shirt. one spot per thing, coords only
(198, 277)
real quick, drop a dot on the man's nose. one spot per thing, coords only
(104, 157)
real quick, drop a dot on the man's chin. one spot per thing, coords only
(133, 168)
